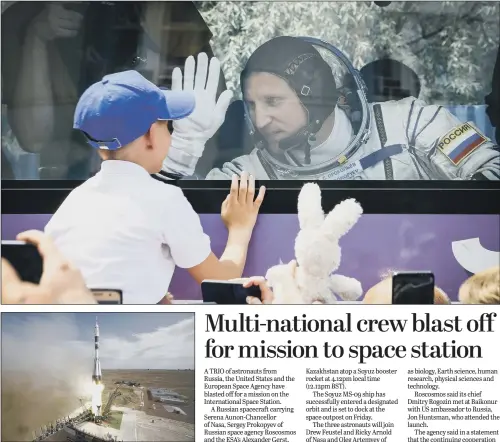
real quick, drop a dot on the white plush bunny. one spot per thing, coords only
(308, 279)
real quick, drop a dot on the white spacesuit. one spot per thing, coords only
(403, 140)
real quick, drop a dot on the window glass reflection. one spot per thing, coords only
(52, 51)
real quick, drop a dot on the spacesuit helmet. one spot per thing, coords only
(301, 66)
(321, 78)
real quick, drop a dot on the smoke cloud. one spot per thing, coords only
(170, 347)
(43, 374)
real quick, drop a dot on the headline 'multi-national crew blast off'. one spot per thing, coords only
(97, 376)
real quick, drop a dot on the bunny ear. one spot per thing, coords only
(310, 213)
(341, 219)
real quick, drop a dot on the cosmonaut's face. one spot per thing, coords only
(275, 108)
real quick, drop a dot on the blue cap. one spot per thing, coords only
(122, 107)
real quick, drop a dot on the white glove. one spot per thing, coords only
(191, 133)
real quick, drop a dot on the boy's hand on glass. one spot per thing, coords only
(239, 210)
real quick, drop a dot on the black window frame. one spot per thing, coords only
(206, 196)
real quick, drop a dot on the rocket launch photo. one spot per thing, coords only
(115, 376)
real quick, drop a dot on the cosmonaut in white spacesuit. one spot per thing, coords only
(308, 118)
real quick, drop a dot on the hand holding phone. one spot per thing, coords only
(226, 292)
(25, 258)
(47, 276)
(413, 288)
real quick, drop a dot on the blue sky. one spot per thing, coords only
(127, 340)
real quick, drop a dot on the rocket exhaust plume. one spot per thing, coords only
(98, 387)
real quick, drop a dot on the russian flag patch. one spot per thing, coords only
(460, 142)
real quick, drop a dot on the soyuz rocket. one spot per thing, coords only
(96, 375)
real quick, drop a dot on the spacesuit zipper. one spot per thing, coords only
(379, 120)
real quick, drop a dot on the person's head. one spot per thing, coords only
(481, 288)
(381, 293)
(388, 79)
(126, 117)
(286, 86)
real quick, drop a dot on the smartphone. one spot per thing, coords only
(106, 296)
(225, 292)
(25, 259)
(413, 288)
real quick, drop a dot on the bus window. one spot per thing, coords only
(52, 51)
(302, 109)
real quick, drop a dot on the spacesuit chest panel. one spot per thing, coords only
(362, 164)
(385, 155)
(397, 151)
(368, 164)
(388, 141)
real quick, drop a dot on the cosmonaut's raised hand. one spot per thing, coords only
(191, 133)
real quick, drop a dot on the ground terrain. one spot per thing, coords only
(180, 381)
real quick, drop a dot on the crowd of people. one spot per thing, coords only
(63, 283)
